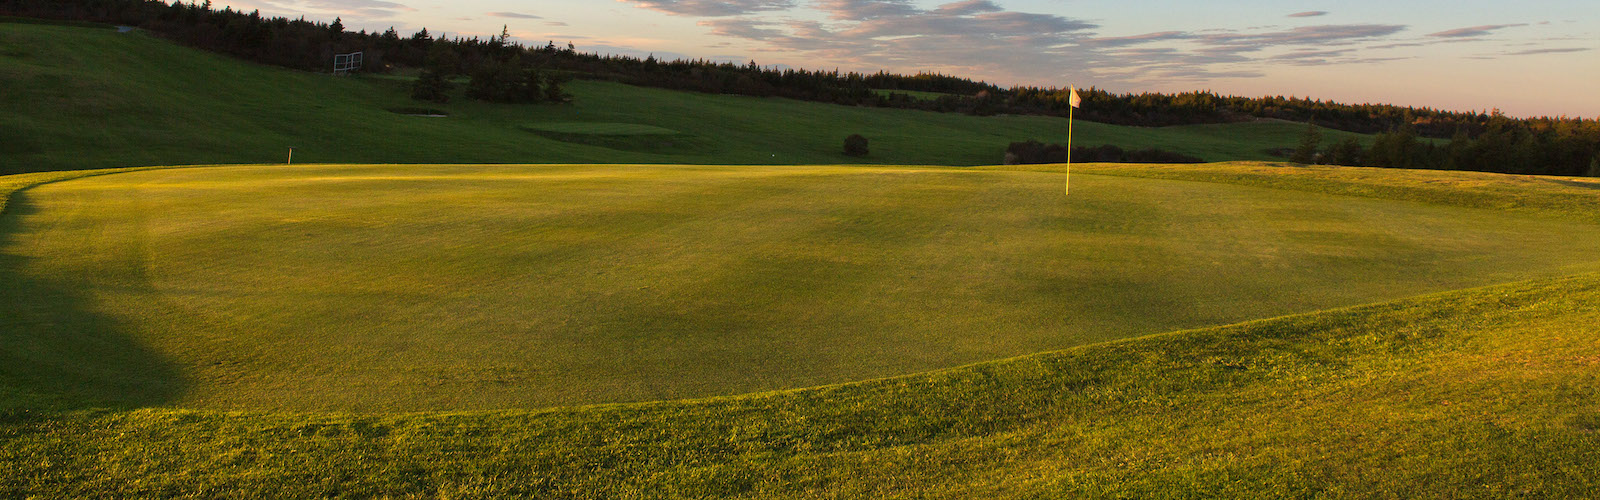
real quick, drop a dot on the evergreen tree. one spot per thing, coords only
(553, 91)
(431, 86)
(1457, 155)
(531, 89)
(1307, 151)
(1346, 152)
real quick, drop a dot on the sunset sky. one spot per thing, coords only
(1525, 58)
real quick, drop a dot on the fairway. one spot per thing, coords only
(410, 288)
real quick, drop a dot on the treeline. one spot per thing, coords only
(510, 72)
(1541, 147)
(1032, 152)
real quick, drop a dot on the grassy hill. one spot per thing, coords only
(80, 98)
(1479, 392)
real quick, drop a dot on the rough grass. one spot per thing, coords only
(155, 103)
(403, 288)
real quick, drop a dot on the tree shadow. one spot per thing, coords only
(57, 352)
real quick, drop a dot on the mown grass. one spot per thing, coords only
(404, 288)
(154, 103)
(1482, 393)
(1575, 198)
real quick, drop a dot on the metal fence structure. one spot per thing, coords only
(343, 64)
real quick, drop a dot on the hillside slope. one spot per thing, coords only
(92, 98)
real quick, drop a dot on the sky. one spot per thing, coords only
(1531, 58)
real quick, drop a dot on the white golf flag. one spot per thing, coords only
(1074, 99)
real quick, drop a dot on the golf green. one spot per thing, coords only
(452, 287)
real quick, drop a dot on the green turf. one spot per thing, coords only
(400, 288)
(153, 103)
(599, 128)
(1476, 393)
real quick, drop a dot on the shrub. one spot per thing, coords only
(855, 145)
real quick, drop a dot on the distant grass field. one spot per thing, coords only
(402, 288)
(155, 103)
(1475, 393)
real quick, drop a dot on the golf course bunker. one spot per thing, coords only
(411, 288)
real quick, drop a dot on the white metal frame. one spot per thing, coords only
(343, 64)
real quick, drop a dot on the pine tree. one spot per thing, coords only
(553, 91)
(1307, 152)
(431, 86)
(1347, 152)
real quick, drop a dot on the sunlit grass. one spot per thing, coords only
(1483, 392)
(398, 288)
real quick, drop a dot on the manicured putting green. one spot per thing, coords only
(408, 288)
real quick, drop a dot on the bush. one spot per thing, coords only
(855, 145)
(431, 86)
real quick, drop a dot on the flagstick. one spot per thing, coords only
(1067, 191)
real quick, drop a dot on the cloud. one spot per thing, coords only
(1310, 13)
(514, 15)
(968, 7)
(1327, 34)
(971, 37)
(861, 10)
(981, 37)
(1474, 31)
(749, 29)
(361, 9)
(712, 8)
(1136, 39)
(1398, 45)
(1549, 51)
(1312, 54)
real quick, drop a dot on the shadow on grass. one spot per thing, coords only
(57, 352)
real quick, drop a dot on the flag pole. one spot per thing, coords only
(1067, 190)
(1073, 100)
